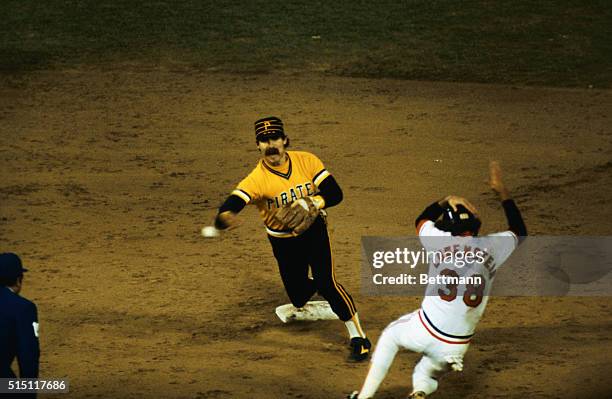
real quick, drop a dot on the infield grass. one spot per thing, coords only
(556, 43)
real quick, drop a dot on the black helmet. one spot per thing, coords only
(459, 222)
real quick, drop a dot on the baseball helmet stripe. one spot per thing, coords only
(269, 125)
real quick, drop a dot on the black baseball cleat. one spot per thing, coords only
(360, 349)
(353, 395)
(417, 395)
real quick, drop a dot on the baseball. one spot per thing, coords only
(210, 231)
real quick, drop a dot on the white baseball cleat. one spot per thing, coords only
(313, 310)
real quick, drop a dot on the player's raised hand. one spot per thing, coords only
(495, 180)
(454, 200)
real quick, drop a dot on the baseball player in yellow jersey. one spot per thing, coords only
(296, 181)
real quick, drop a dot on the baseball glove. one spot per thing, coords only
(298, 216)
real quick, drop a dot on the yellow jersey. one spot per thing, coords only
(271, 187)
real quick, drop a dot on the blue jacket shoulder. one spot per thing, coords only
(16, 302)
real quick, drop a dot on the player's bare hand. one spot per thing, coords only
(495, 180)
(454, 201)
(229, 219)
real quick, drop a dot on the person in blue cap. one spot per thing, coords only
(18, 322)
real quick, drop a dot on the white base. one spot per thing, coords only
(313, 310)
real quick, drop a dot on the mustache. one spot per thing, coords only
(272, 151)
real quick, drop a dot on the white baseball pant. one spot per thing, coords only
(409, 332)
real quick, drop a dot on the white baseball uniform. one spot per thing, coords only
(442, 328)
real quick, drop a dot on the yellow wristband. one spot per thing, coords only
(318, 201)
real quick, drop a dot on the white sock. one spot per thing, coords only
(354, 328)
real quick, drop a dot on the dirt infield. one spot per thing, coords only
(108, 175)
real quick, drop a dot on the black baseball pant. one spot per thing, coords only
(311, 249)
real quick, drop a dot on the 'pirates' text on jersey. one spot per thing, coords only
(270, 188)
